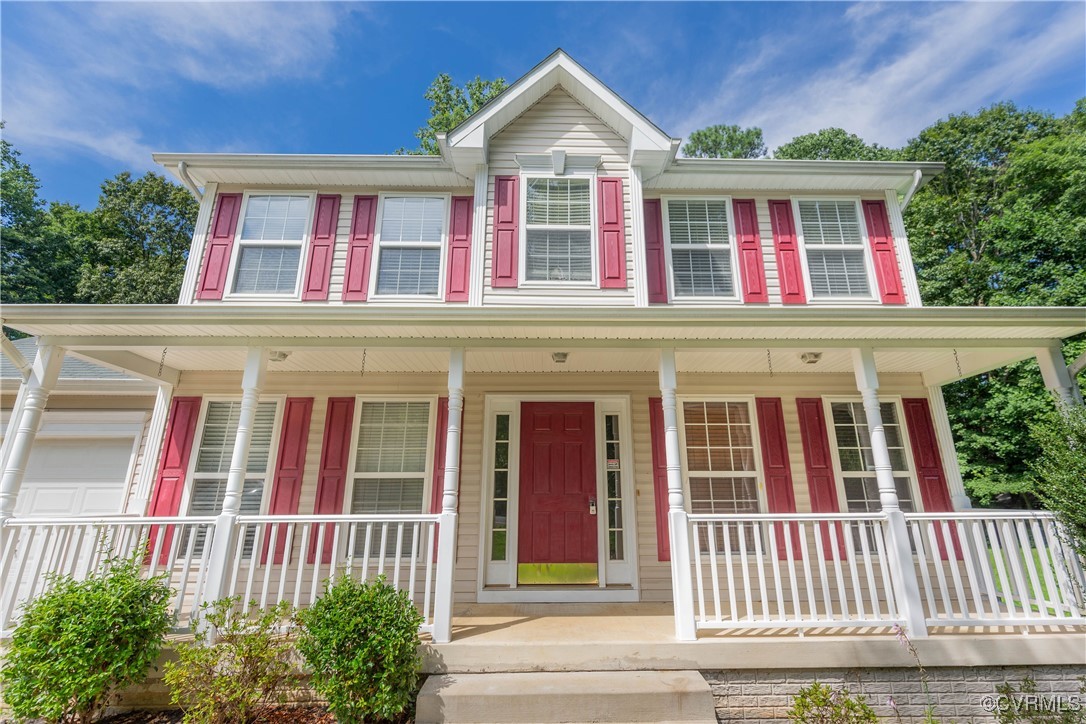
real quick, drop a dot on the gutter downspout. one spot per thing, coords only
(918, 176)
(183, 173)
(673, 152)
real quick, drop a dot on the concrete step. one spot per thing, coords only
(567, 696)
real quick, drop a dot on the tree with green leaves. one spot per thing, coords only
(451, 105)
(833, 144)
(723, 141)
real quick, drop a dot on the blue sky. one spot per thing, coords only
(91, 89)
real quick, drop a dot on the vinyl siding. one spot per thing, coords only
(558, 121)
(655, 576)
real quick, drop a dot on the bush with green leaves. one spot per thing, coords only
(80, 642)
(248, 665)
(821, 704)
(360, 640)
(1059, 472)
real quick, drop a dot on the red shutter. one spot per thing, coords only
(220, 242)
(173, 466)
(612, 234)
(356, 278)
(322, 245)
(659, 477)
(749, 242)
(789, 265)
(934, 490)
(504, 265)
(332, 478)
(778, 471)
(819, 464)
(656, 261)
(887, 271)
(289, 466)
(460, 217)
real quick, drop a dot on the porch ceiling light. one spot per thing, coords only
(277, 355)
(810, 358)
(559, 357)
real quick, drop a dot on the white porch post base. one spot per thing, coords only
(443, 584)
(682, 583)
(902, 571)
(218, 564)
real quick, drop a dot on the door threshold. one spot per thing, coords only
(559, 594)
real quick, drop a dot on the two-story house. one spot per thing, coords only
(558, 364)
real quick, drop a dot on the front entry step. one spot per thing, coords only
(568, 696)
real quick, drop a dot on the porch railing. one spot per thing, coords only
(271, 558)
(983, 568)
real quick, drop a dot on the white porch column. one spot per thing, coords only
(446, 545)
(156, 431)
(1056, 375)
(909, 605)
(43, 377)
(256, 364)
(945, 436)
(678, 527)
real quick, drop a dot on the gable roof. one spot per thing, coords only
(465, 146)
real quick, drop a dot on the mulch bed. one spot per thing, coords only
(268, 715)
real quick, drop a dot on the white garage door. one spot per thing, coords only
(76, 476)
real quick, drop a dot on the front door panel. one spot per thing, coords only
(557, 541)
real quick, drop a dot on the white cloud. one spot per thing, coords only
(85, 75)
(898, 69)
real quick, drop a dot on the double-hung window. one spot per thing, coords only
(273, 233)
(860, 488)
(392, 459)
(721, 465)
(409, 245)
(833, 240)
(558, 230)
(212, 465)
(700, 240)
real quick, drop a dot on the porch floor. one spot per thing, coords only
(641, 636)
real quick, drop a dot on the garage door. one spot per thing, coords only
(76, 476)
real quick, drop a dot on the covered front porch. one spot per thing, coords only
(657, 533)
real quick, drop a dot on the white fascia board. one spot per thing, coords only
(903, 170)
(199, 165)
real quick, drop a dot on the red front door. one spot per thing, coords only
(557, 490)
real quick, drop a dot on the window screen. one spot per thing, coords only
(558, 230)
(700, 240)
(409, 257)
(270, 244)
(835, 249)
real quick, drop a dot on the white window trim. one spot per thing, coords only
(758, 473)
(442, 248)
(593, 239)
(869, 267)
(496, 580)
(733, 254)
(273, 454)
(835, 452)
(235, 252)
(431, 441)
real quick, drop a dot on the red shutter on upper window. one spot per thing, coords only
(881, 236)
(749, 247)
(659, 477)
(504, 267)
(819, 465)
(220, 242)
(173, 467)
(655, 253)
(356, 277)
(786, 245)
(289, 467)
(459, 261)
(332, 478)
(934, 490)
(778, 470)
(612, 232)
(322, 246)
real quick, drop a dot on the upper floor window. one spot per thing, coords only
(700, 241)
(833, 239)
(273, 231)
(409, 245)
(558, 230)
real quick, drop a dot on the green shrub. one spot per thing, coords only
(819, 704)
(1059, 471)
(248, 666)
(81, 641)
(1024, 704)
(361, 642)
